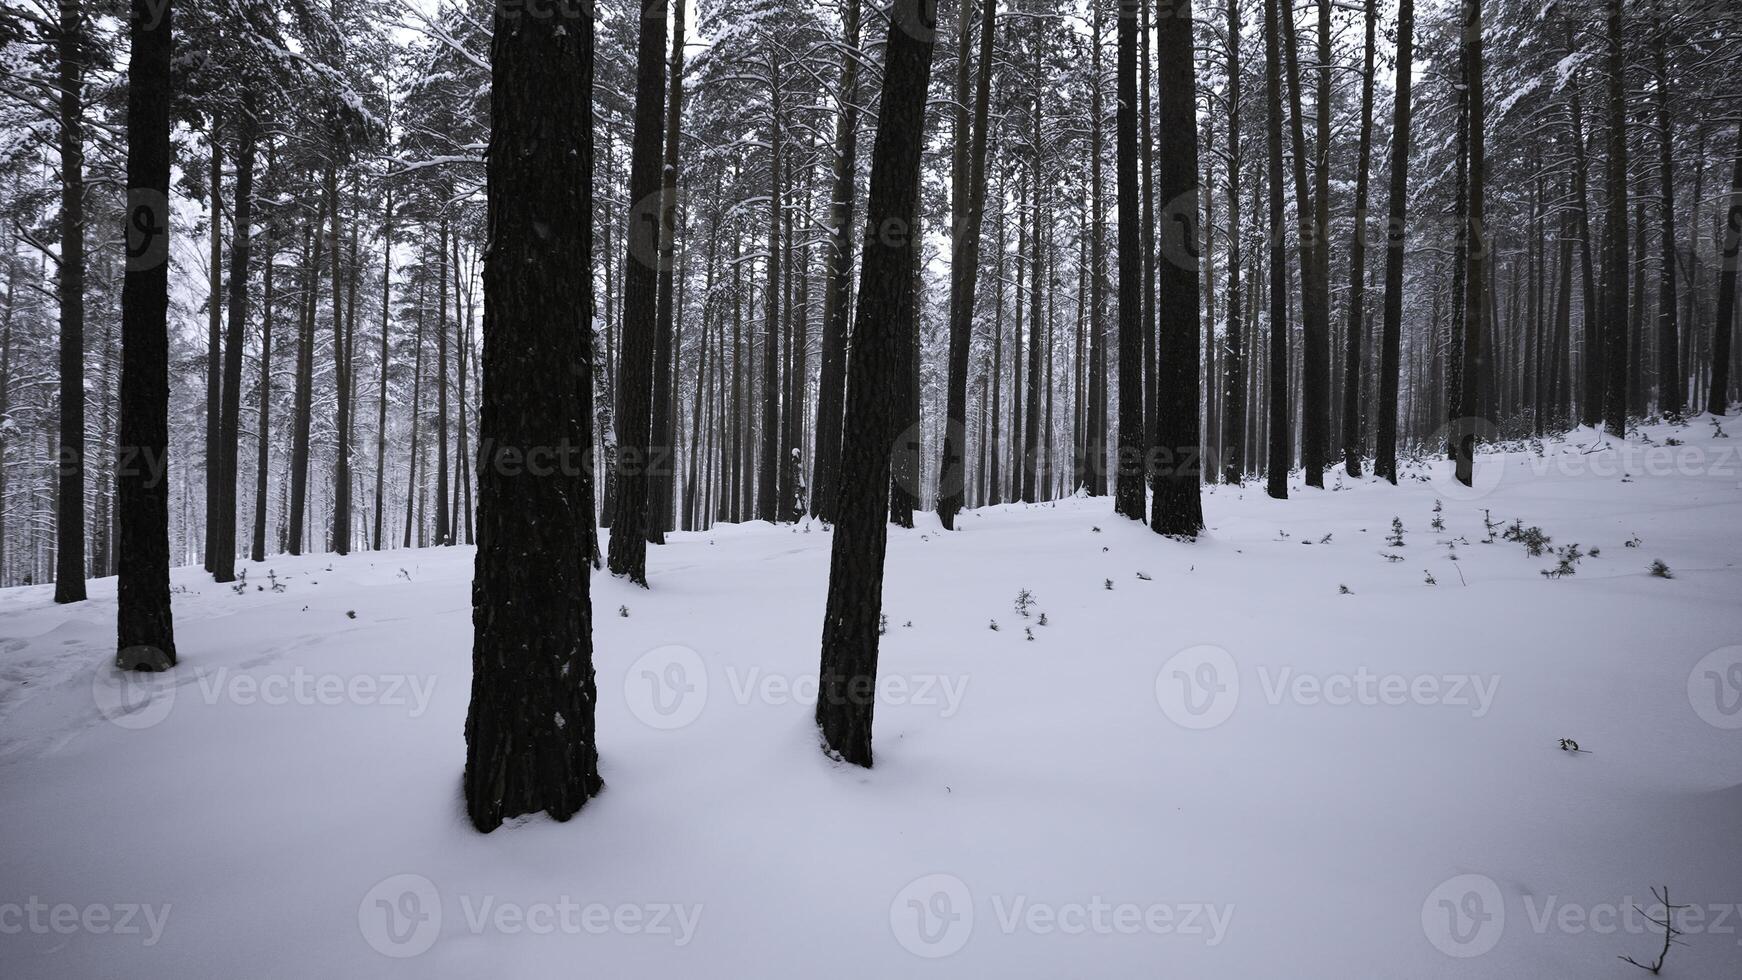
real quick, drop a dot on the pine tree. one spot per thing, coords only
(1277, 465)
(144, 627)
(1128, 497)
(848, 671)
(1385, 462)
(1177, 507)
(69, 525)
(529, 731)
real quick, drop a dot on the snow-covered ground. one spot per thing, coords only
(1210, 761)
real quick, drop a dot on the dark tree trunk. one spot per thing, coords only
(223, 550)
(1353, 383)
(1671, 386)
(1177, 507)
(662, 461)
(304, 397)
(1036, 278)
(628, 550)
(1233, 456)
(145, 630)
(1128, 496)
(767, 477)
(416, 415)
(263, 420)
(1616, 272)
(381, 401)
(848, 670)
(1094, 478)
(529, 730)
(838, 288)
(965, 258)
(214, 344)
(1718, 397)
(1277, 463)
(444, 533)
(69, 516)
(1315, 306)
(1385, 459)
(342, 390)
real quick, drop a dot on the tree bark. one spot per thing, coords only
(1233, 455)
(529, 730)
(223, 551)
(1385, 459)
(69, 522)
(1616, 273)
(838, 288)
(848, 670)
(1177, 507)
(1352, 371)
(628, 549)
(144, 627)
(1128, 495)
(1277, 464)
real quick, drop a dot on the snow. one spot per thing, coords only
(1230, 769)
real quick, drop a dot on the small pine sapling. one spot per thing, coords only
(1439, 521)
(1396, 538)
(1660, 570)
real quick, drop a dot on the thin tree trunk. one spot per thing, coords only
(838, 288)
(1277, 464)
(1352, 370)
(69, 522)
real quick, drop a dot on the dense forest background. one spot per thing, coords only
(329, 225)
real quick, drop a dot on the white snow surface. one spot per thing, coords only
(1228, 769)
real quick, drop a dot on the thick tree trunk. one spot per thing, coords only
(69, 517)
(529, 731)
(848, 671)
(1277, 463)
(144, 628)
(768, 472)
(1177, 508)
(1385, 460)
(628, 550)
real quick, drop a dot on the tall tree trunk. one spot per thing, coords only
(1315, 304)
(628, 550)
(1718, 392)
(529, 731)
(1671, 386)
(214, 345)
(263, 417)
(1233, 455)
(838, 287)
(223, 550)
(848, 670)
(1128, 496)
(662, 461)
(69, 517)
(304, 397)
(965, 255)
(444, 533)
(1385, 459)
(341, 388)
(1615, 317)
(1036, 278)
(767, 477)
(1095, 427)
(381, 401)
(1353, 383)
(1177, 508)
(416, 413)
(144, 628)
(1277, 463)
